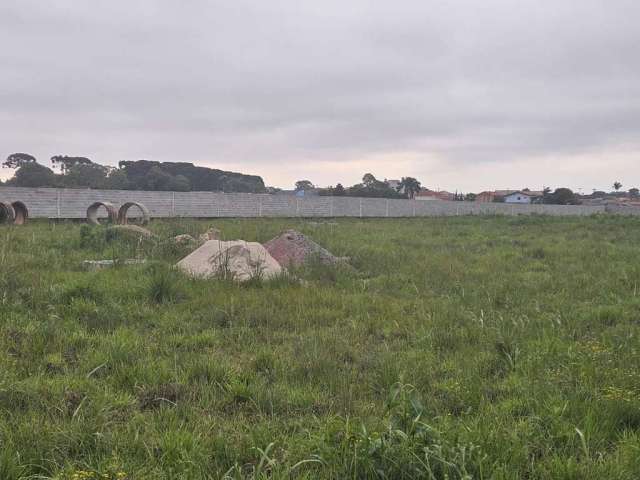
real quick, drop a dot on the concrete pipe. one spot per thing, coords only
(143, 219)
(92, 212)
(21, 213)
(7, 214)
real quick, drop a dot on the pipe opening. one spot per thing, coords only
(102, 211)
(7, 214)
(21, 213)
(141, 217)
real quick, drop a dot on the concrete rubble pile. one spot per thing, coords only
(184, 239)
(293, 249)
(211, 234)
(237, 259)
(242, 261)
(102, 264)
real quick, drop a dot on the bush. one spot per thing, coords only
(164, 285)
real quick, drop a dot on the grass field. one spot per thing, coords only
(459, 348)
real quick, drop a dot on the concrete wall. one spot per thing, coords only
(622, 210)
(73, 203)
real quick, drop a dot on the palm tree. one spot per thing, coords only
(617, 186)
(410, 185)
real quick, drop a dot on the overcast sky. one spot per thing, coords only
(463, 94)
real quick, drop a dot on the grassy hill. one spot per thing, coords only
(455, 348)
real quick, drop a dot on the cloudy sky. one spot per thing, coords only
(462, 94)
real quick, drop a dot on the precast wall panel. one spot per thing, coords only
(73, 204)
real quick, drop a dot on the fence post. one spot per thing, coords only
(260, 206)
(297, 206)
(360, 207)
(331, 207)
(173, 204)
(58, 202)
(414, 208)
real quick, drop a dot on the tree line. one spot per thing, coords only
(81, 172)
(408, 187)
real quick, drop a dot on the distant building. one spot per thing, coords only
(426, 194)
(508, 196)
(485, 197)
(522, 197)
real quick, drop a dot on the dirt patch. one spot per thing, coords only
(293, 249)
(72, 402)
(153, 397)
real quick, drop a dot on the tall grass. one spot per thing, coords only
(484, 347)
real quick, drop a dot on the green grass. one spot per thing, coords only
(470, 347)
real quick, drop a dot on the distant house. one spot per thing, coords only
(426, 194)
(493, 196)
(522, 197)
(485, 197)
(508, 196)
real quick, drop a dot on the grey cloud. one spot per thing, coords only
(250, 82)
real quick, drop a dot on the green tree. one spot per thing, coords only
(634, 192)
(117, 180)
(339, 191)
(470, 197)
(180, 183)
(34, 175)
(17, 160)
(368, 180)
(158, 179)
(410, 185)
(200, 178)
(304, 185)
(563, 196)
(371, 187)
(617, 186)
(66, 163)
(82, 175)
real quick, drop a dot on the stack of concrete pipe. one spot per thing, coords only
(17, 213)
(115, 215)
